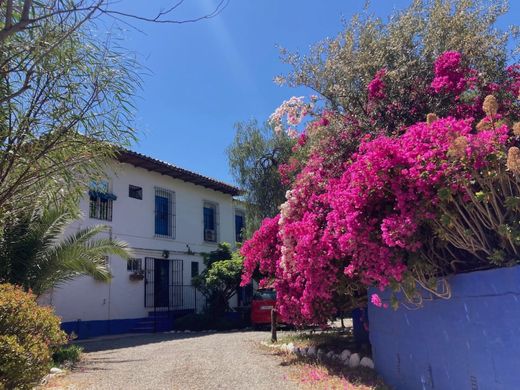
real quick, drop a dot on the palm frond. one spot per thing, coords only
(43, 257)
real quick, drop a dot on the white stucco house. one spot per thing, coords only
(169, 216)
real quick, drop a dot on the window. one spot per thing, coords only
(264, 295)
(100, 201)
(210, 222)
(240, 224)
(164, 213)
(194, 269)
(135, 192)
(134, 265)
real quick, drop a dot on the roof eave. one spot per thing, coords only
(152, 164)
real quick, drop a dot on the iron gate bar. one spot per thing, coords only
(181, 298)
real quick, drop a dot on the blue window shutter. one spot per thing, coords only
(209, 218)
(161, 215)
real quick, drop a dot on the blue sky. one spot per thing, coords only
(203, 77)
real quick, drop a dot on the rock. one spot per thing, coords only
(353, 361)
(187, 331)
(320, 353)
(311, 352)
(367, 362)
(56, 370)
(283, 347)
(290, 348)
(304, 351)
(298, 351)
(330, 354)
(345, 355)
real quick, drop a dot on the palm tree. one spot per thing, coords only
(36, 254)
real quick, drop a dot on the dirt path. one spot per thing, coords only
(178, 361)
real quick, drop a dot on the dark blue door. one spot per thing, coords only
(161, 283)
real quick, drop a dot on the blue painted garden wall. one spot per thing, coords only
(88, 329)
(471, 341)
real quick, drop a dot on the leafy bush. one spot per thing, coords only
(67, 354)
(220, 280)
(28, 335)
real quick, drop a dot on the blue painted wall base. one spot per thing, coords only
(88, 329)
(471, 341)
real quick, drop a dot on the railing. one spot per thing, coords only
(165, 294)
(181, 300)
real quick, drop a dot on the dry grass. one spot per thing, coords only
(333, 340)
(328, 374)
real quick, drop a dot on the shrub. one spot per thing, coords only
(220, 280)
(28, 335)
(68, 354)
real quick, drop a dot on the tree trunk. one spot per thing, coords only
(274, 339)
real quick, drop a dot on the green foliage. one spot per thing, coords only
(36, 254)
(254, 158)
(406, 46)
(224, 275)
(65, 104)
(220, 280)
(28, 335)
(70, 354)
(223, 252)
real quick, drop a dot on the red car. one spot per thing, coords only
(263, 301)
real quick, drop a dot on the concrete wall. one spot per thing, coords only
(471, 341)
(84, 299)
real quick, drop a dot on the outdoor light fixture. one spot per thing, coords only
(165, 254)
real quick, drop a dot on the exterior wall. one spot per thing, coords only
(471, 341)
(121, 302)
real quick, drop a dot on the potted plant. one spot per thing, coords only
(136, 275)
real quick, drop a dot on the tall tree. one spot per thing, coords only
(399, 53)
(254, 159)
(66, 94)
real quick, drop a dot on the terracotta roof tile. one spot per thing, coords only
(165, 168)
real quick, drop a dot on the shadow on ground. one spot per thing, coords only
(106, 343)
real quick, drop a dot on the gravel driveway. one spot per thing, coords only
(179, 361)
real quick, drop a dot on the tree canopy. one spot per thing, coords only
(255, 156)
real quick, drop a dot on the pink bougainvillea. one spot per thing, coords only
(449, 73)
(376, 87)
(365, 222)
(262, 251)
(362, 215)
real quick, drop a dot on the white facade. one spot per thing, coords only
(134, 221)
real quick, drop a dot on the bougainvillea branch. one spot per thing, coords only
(398, 210)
